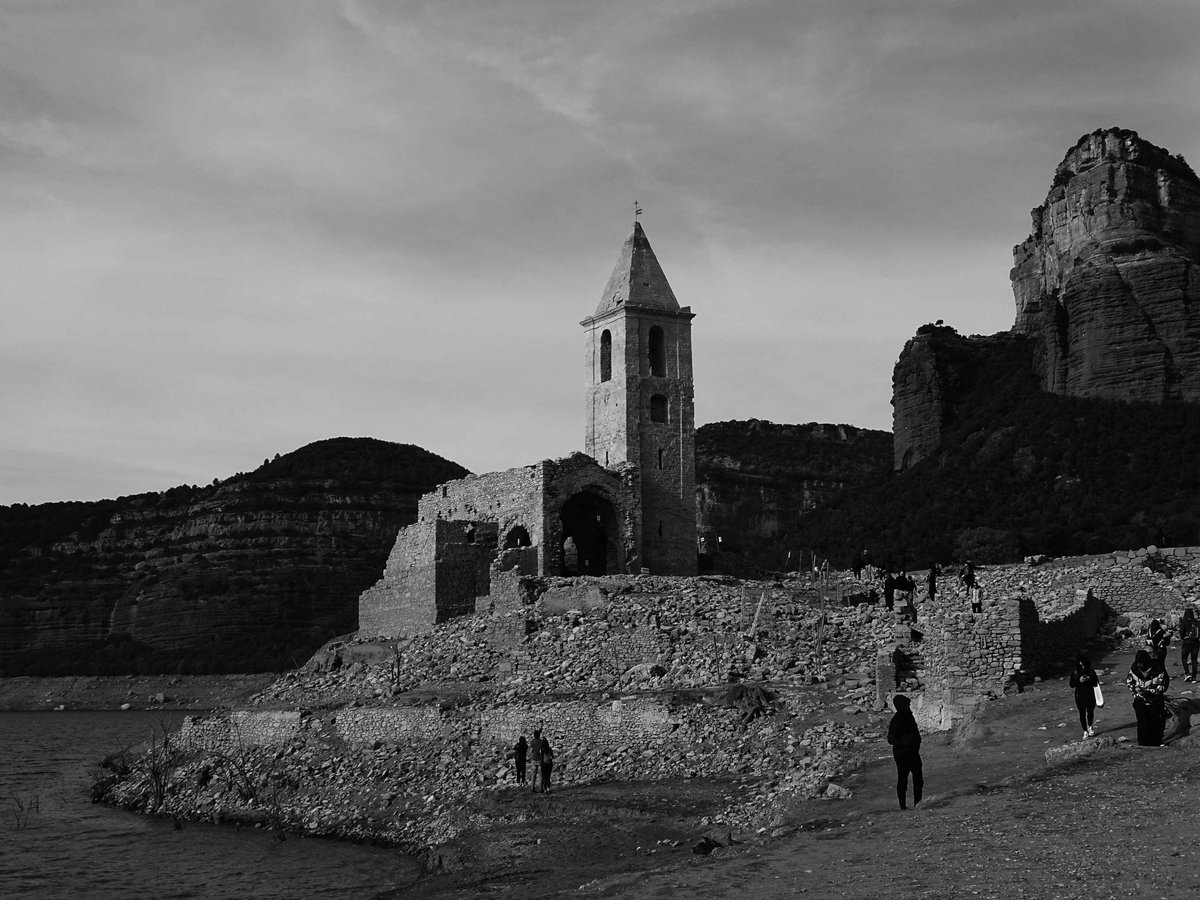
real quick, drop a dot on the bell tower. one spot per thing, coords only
(640, 401)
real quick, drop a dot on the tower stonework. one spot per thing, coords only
(640, 406)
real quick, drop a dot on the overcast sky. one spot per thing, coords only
(228, 229)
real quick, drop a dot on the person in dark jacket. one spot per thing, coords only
(547, 765)
(905, 738)
(889, 590)
(520, 754)
(1189, 644)
(1084, 680)
(931, 581)
(1158, 639)
(1149, 682)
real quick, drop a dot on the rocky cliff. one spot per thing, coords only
(246, 574)
(756, 481)
(1107, 282)
(1106, 289)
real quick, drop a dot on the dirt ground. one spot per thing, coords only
(996, 822)
(110, 692)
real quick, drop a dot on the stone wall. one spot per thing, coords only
(239, 729)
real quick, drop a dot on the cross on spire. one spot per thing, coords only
(637, 210)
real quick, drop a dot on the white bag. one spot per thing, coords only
(1099, 695)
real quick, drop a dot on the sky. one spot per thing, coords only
(230, 228)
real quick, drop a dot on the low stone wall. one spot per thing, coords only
(240, 729)
(579, 722)
(390, 726)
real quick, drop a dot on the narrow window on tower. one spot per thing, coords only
(660, 528)
(658, 408)
(606, 355)
(660, 457)
(658, 352)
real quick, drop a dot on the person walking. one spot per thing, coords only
(1189, 644)
(1149, 682)
(931, 581)
(1084, 679)
(905, 738)
(1158, 639)
(520, 754)
(536, 748)
(967, 576)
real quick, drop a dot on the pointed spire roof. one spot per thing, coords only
(637, 279)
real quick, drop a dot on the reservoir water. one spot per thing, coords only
(68, 847)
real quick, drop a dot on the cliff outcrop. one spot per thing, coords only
(242, 575)
(1107, 282)
(757, 481)
(1105, 286)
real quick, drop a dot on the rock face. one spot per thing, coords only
(242, 575)
(1106, 289)
(933, 385)
(756, 481)
(1107, 282)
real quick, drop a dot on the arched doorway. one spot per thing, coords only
(590, 522)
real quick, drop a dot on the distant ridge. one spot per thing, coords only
(246, 574)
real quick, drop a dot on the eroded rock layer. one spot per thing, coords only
(1107, 281)
(242, 575)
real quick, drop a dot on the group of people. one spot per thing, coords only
(1147, 679)
(538, 752)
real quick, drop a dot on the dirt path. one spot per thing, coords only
(996, 822)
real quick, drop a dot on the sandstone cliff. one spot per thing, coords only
(242, 575)
(1105, 287)
(756, 482)
(1107, 281)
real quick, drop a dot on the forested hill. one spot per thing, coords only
(247, 574)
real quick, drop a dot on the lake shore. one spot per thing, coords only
(116, 692)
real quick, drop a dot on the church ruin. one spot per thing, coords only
(627, 505)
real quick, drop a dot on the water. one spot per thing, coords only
(72, 848)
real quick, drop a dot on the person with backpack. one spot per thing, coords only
(1189, 644)
(1159, 639)
(905, 738)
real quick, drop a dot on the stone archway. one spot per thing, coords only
(590, 522)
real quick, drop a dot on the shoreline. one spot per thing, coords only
(114, 693)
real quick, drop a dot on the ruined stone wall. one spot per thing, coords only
(240, 729)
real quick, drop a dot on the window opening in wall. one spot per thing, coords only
(658, 352)
(471, 535)
(660, 458)
(606, 355)
(658, 408)
(517, 537)
(660, 529)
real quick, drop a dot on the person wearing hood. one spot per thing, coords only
(1084, 680)
(905, 738)
(1149, 682)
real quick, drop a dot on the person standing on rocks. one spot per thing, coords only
(1149, 682)
(520, 754)
(1189, 644)
(931, 581)
(967, 576)
(905, 738)
(536, 748)
(889, 591)
(1084, 680)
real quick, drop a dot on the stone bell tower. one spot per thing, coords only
(640, 401)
